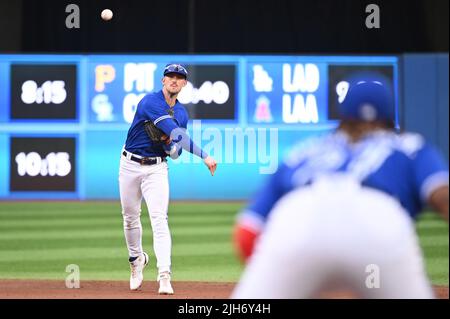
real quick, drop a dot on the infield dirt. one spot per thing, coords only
(53, 289)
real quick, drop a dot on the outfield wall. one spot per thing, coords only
(425, 96)
(64, 118)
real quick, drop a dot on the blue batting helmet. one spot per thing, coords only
(369, 98)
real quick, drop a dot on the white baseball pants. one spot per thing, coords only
(150, 182)
(336, 235)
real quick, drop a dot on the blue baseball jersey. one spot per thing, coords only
(401, 165)
(153, 107)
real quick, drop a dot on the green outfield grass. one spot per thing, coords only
(38, 240)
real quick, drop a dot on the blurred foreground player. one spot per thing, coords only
(339, 213)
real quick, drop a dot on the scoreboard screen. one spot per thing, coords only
(287, 93)
(116, 88)
(42, 164)
(210, 92)
(43, 91)
(64, 118)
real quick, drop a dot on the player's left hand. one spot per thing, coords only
(211, 163)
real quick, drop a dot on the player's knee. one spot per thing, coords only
(158, 218)
(131, 221)
(132, 224)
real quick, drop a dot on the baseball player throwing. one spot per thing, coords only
(157, 131)
(339, 212)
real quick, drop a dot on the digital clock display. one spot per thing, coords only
(42, 164)
(43, 91)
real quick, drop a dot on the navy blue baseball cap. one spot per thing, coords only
(175, 68)
(369, 98)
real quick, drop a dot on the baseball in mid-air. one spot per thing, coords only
(107, 14)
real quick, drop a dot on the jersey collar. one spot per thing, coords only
(161, 94)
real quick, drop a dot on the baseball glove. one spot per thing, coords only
(155, 134)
